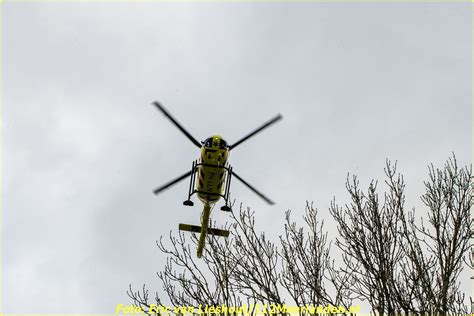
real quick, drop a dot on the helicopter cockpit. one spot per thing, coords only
(222, 144)
(215, 142)
(208, 142)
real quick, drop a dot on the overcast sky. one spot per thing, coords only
(83, 147)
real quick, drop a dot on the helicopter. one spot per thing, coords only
(214, 175)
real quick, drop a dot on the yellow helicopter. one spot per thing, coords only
(213, 175)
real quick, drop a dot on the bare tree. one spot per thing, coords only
(437, 250)
(141, 299)
(192, 282)
(256, 261)
(247, 268)
(470, 260)
(307, 264)
(388, 260)
(371, 245)
(400, 266)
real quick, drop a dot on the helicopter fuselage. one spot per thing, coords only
(211, 174)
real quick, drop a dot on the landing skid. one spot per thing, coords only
(188, 203)
(226, 208)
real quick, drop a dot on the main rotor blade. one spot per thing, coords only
(176, 123)
(265, 125)
(167, 185)
(253, 189)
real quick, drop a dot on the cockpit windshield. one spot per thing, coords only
(222, 144)
(208, 142)
(215, 142)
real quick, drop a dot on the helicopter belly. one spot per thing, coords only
(210, 183)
